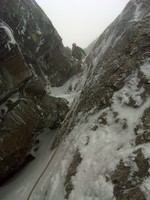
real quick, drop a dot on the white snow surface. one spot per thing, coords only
(146, 187)
(145, 68)
(102, 48)
(101, 150)
(137, 12)
(9, 32)
(71, 88)
(64, 92)
(19, 186)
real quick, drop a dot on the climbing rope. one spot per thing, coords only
(29, 196)
(36, 183)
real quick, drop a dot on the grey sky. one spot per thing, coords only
(81, 21)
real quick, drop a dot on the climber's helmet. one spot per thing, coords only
(74, 44)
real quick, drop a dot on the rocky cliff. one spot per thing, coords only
(38, 40)
(109, 121)
(104, 140)
(32, 58)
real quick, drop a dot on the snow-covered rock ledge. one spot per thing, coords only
(106, 147)
(103, 145)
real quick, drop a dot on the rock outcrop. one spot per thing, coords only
(38, 40)
(116, 94)
(32, 58)
(106, 132)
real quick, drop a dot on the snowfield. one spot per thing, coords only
(80, 168)
(20, 185)
(100, 146)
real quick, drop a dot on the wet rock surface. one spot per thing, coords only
(38, 40)
(32, 58)
(20, 125)
(116, 79)
(127, 183)
(72, 170)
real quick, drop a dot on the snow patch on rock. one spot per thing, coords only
(9, 33)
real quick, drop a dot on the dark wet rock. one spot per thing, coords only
(13, 68)
(17, 136)
(32, 58)
(115, 63)
(53, 110)
(114, 77)
(94, 128)
(127, 182)
(19, 127)
(35, 88)
(102, 119)
(38, 40)
(143, 130)
(72, 170)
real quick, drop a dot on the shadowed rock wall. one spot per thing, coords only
(32, 58)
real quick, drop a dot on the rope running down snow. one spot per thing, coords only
(36, 183)
(41, 175)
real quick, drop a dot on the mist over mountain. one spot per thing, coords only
(73, 129)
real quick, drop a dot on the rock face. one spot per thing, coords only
(20, 124)
(31, 57)
(116, 93)
(38, 40)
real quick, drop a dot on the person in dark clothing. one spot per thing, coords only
(77, 52)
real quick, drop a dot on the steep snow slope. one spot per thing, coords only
(32, 59)
(19, 186)
(106, 133)
(103, 150)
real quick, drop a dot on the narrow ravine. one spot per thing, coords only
(24, 184)
(20, 185)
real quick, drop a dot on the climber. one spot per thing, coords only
(77, 52)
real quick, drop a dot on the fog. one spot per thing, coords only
(81, 21)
